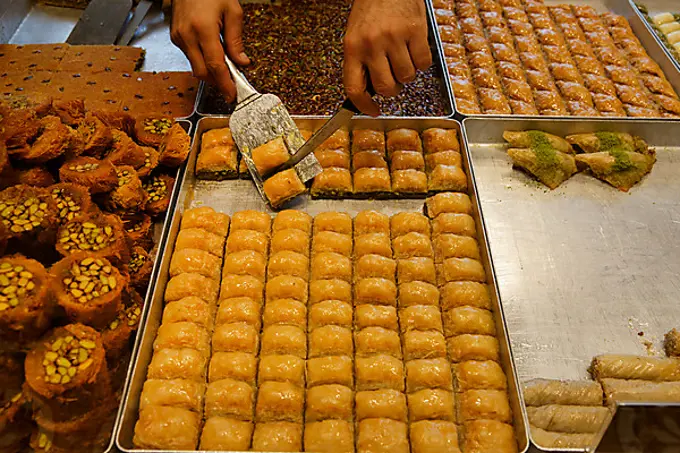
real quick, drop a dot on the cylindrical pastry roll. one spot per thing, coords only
(377, 291)
(245, 262)
(484, 374)
(235, 337)
(568, 419)
(288, 263)
(449, 202)
(548, 439)
(282, 368)
(189, 309)
(539, 392)
(484, 404)
(420, 344)
(330, 341)
(279, 401)
(371, 222)
(195, 261)
(420, 317)
(379, 372)
(377, 340)
(238, 309)
(330, 370)
(370, 315)
(418, 293)
(237, 286)
(290, 240)
(240, 366)
(331, 401)
(240, 240)
(196, 238)
(382, 435)
(489, 435)
(434, 436)
(329, 436)
(337, 222)
(226, 434)
(277, 436)
(468, 320)
(167, 428)
(330, 241)
(638, 390)
(372, 244)
(635, 367)
(335, 289)
(285, 312)
(292, 219)
(207, 219)
(330, 312)
(287, 287)
(386, 403)
(179, 335)
(431, 404)
(409, 222)
(187, 285)
(230, 398)
(178, 364)
(179, 393)
(428, 374)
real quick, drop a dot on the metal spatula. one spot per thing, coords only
(261, 118)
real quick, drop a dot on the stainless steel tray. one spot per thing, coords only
(437, 61)
(639, 25)
(161, 228)
(232, 196)
(655, 7)
(584, 269)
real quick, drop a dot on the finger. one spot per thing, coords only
(233, 33)
(401, 64)
(419, 49)
(354, 77)
(382, 77)
(191, 49)
(213, 52)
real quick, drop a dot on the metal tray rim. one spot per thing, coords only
(654, 34)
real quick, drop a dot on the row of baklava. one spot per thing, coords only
(175, 392)
(482, 404)
(373, 164)
(509, 56)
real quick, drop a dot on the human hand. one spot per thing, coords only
(386, 40)
(197, 26)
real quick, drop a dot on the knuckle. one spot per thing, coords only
(351, 44)
(406, 76)
(354, 92)
(214, 67)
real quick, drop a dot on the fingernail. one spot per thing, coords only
(243, 56)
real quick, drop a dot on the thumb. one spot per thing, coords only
(233, 34)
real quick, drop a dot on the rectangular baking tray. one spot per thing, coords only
(29, 22)
(655, 7)
(161, 228)
(437, 61)
(637, 23)
(233, 196)
(584, 269)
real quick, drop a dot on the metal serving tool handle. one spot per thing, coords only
(244, 89)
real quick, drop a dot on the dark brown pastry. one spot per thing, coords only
(96, 135)
(20, 127)
(66, 374)
(15, 422)
(54, 139)
(98, 176)
(151, 159)
(139, 230)
(116, 335)
(26, 300)
(175, 146)
(140, 267)
(72, 200)
(117, 120)
(88, 288)
(150, 130)
(125, 150)
(129, 195)
(34, 177)
(4, 158)
(159, 190)
(100, 234)
(69, 111)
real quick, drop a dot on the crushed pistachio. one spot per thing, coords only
(545, 152)
(89, 279)
(85, 236)
(156, 188)
(66, 357)
(84, 167)
(67, 206)
(157, 126)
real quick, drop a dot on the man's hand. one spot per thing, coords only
(196, 29)
(386, 39)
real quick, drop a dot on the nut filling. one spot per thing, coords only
(66, 357)
(85, 236)
(157, 126)
(89, 279)
(15, 283)
(136, 262)
(22, 215)
(130, 317)
(67, 206)
(83, 168)
(44, 442)
(124, 177)
(156, 188)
